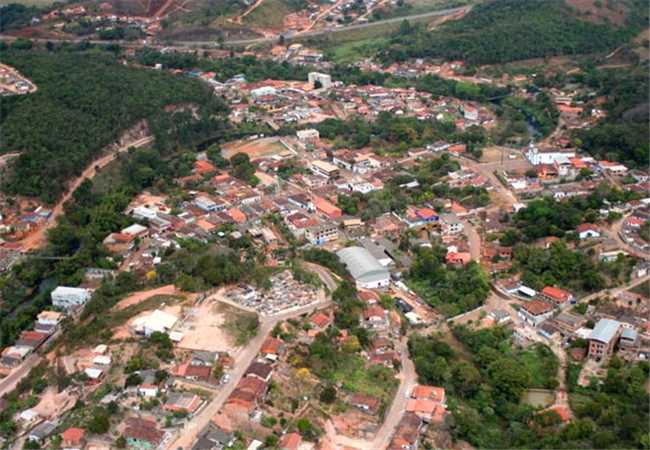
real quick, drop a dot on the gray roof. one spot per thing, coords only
(362, 265)
(377, 250)
(42, 430)
(629, 334)
(605, 330)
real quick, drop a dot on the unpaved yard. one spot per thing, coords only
(203, 328)
(141, 296)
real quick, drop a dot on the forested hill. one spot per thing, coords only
(623, 135)
(508, 30)
(84, 101)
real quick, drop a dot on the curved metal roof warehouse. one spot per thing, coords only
(364, 268)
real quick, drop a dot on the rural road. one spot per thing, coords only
(4, 159)
(9, 383)
(186, 437)
(408, 379)
(38, 238)
(615, 232)
(262, 40)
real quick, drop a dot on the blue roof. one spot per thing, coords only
(605, 330)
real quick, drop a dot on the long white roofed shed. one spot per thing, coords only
(364, 268)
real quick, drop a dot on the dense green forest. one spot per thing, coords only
(623, 134)
(84, 101)
(451, 290)
(485, 388)
(15, 15)
(548, 217)
(485, 383)
(508, 30)
(393, 133)
(574, 270)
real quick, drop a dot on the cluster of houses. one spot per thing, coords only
(46, 325)
(12, 82)
(102, 18)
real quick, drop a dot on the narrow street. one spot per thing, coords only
(408, 379)
(185, 437)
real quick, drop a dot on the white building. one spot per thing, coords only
(324, 79)
(322, 233)
(450, 224)
(309, 135)
(559, 156)
(263, 91)
(158, 320)
(143, 212)
(69, 297)
(207, 204)
(364, 268)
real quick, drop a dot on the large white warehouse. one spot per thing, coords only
(364, 268)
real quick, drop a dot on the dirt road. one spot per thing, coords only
(473, 240)
(614, 232)
(325, 275)
(262, 40)
(141, 296)
(186, 437)
(408, 379)
(38, 238)
(4, 159)
(507, 197)
(9, 383)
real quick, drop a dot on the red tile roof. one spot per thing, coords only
(537, 307)
(556, 294)
(320, 319)
(422, 391)
(290, 441)
(73, 436)
(272, 346)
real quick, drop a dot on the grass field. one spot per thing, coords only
(269, 14)
(543, 366)
(375, 380)
(351, 45)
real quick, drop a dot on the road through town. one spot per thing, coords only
(408, 379)
(9, 383)
(186, 437)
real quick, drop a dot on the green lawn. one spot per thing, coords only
(375, 380)
(542, 365)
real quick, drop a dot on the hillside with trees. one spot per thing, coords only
(509, 30)
(85, 100)
(623, 134)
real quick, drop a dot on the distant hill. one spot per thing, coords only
(84, 101)
(501, 31)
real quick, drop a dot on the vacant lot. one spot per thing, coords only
(260, 148)
(204, 328)
(375, 380)
(498, 154)
(270, 14)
